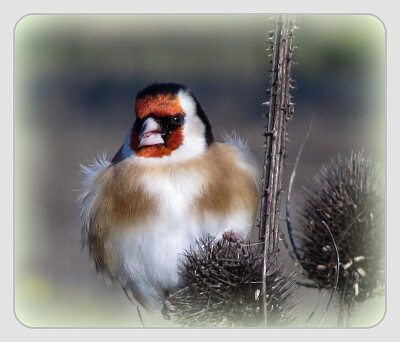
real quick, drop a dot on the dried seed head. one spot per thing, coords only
(222, 287)
(348, 195)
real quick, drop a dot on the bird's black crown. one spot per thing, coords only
(161, 88)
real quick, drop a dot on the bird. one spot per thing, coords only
(170, 184)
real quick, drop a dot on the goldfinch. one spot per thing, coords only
(169, 184)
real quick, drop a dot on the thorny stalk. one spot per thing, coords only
(280, 111)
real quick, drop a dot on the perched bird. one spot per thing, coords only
(169, 184)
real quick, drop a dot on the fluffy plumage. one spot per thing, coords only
(168, 185)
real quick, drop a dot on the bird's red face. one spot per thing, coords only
(170, 126)
(159, 126)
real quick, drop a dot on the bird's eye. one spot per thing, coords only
(177, 119)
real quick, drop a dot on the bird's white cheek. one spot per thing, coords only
(194, 143)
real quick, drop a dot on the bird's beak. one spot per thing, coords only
(150, 133)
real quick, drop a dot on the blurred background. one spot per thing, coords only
(76, 77)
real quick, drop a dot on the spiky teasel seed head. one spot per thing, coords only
(222, 288)
(348, 198)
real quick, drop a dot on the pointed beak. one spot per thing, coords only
(150, 133)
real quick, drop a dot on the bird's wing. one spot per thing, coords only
(89, 192)
(242, 146)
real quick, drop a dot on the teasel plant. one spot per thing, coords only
(223, 287)
(338, 243)
(230, 282)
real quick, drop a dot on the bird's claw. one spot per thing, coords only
(232, 237)
(168, 308)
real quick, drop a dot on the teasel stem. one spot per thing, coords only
(293, 251)
(280, 111)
